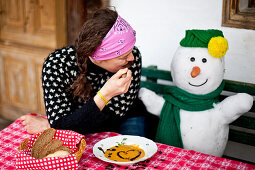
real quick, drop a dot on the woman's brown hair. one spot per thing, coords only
(90, 37)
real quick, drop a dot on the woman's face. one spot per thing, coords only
(115, 64)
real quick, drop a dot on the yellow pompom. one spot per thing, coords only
(217, 47)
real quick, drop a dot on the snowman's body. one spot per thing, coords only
(203, 132)
(196, 71)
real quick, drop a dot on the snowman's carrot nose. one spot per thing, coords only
(195, 72)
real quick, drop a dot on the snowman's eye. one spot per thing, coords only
(192, 59)
(204, 60)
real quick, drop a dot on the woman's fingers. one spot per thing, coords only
(117, 84)
(126, 81)
(24, 123)
(129, 74)
(123, 77)
(23, 120)
(121, 73)
(128, 78)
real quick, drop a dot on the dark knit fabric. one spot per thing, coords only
(63, 112)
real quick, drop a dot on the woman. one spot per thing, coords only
(93, 86)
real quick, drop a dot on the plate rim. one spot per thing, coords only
(124, 136)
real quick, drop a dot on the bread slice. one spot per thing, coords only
(61, 152)
(42, 139)
(64, 148)
(49, 148)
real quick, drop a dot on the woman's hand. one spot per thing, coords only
(34, 124)
(118, 84)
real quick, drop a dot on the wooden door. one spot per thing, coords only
(29, 31)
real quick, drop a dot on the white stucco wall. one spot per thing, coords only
(161, 24)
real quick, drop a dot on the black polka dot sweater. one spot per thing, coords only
(60, 70)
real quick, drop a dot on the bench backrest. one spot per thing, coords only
(156, 80)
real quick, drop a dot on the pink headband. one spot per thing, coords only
(119, 40)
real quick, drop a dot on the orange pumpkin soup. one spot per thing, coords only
(124, 153)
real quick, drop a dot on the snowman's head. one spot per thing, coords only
(198, 64)
(196, 71)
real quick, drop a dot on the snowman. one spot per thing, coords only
(191, 116)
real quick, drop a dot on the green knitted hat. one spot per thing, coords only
(199, 38)
(212, 39)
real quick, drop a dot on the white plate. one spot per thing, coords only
(149, 147)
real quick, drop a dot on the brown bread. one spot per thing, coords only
(64, 148)
(62, 151)
(42, 140)
(49, 148)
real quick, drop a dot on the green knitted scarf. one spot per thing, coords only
(169, 131)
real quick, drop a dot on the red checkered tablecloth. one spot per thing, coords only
(167, 157)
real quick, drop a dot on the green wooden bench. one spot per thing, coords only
(156, 80)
